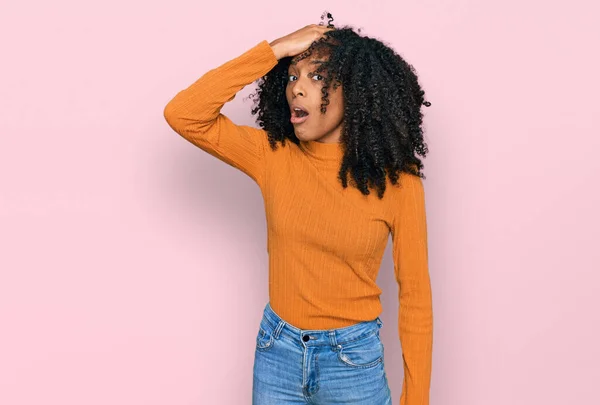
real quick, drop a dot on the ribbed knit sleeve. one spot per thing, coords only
(194, 112)
(415, 316)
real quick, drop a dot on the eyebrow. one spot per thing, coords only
(312, 62)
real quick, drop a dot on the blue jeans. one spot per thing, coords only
(325, 366)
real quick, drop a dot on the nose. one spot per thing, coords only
(297, 89)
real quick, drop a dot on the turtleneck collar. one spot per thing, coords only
(326, 152)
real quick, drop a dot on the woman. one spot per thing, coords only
(330, 104)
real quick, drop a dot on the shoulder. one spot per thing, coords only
(403, 196)
(408, 184)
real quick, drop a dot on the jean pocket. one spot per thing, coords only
(264, 339)
(362, 353)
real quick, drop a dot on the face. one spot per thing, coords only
(304, 89)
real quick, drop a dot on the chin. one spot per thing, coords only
(301, 136)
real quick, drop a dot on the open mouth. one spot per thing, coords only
(298, 116)
(298, 112)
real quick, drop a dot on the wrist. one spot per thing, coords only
(277, 49)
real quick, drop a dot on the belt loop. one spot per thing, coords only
(379, 322)
(278, 329)
(332, 340)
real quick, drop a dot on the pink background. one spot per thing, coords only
(134, 265)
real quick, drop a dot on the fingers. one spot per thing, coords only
(324, 27)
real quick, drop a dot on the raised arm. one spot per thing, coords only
(415, 316)
(194, 112)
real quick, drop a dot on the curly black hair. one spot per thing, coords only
(382, 131)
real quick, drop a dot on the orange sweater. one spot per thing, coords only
(325, 243)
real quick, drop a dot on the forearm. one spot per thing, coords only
(196, 107)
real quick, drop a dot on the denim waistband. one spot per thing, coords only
(319, 337)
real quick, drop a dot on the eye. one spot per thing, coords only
(312, 76)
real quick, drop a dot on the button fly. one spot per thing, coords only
(306, 338)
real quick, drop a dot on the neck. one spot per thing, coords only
(327, 152)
